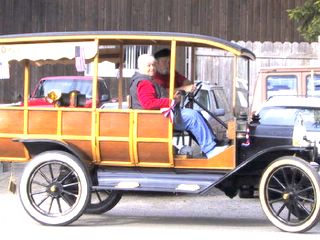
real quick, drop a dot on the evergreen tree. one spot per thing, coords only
(308, 19)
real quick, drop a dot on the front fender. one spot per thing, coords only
(255, 165)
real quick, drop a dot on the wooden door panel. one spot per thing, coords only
(152, 141)
(115, 151)
(134, 138)
(115, 138)
(151, 125)
(152, 152)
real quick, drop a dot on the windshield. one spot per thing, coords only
(65, 86)
(203, 98)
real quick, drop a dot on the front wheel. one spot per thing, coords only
(55, 188)
(289, 193)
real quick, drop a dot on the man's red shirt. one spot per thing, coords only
(164, 80)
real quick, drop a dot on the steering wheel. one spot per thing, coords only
(191, 95)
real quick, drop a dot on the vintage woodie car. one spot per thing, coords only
(75, 153)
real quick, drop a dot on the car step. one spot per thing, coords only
(130, 180)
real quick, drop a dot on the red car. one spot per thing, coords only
(67, 84)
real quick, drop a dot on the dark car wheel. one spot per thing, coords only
(289, 193)
(102, 201)
(54, 188)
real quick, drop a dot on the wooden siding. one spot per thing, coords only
(249, 20)
(254, 20)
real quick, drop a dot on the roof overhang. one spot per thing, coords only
(57, 39)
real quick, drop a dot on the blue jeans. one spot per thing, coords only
(195, 123)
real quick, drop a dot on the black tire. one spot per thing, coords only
(102, 201)
(55, 188)
(289, 194)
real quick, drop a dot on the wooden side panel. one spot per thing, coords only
(11, 121)
(115, 138)
(42, 122)
(114, 124)
(115, 151)
(152, 125)
(153, 152)
(10, 149)
(76, 123)
(152, 140)
(225, 160)
(83, 145)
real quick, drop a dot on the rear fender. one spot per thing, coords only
(37, 146)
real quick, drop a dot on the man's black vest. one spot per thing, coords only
(136, 78)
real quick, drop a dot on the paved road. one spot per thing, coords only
(152, 216)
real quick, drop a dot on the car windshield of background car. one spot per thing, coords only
(287, 116)
(65, 86)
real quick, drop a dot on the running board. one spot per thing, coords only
(133, 180)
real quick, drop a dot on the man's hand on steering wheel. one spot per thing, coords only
(195, 88)
(193, 93)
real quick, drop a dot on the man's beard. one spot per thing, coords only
(163, 71)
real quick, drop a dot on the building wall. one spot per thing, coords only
(248, 20)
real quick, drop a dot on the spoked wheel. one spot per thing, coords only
(54, 188)
(290, 194)
(102, 201)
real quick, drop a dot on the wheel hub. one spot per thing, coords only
(55, 189)
(289, 195)
(286, 196)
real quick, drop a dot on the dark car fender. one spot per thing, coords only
(37, 146)
(256, 164)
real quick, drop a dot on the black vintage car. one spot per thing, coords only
(283, 124)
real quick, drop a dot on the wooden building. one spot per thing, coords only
(245, 20)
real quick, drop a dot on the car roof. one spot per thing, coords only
(129, 38)
(292, 101)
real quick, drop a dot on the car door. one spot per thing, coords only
(127, 137)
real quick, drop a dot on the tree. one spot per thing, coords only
(308, 19)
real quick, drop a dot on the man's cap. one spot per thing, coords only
(162, 53)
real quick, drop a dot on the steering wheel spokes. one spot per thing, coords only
(189, 97)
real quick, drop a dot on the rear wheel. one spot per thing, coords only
(54, 188)
(102, 201)
(289, 193)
